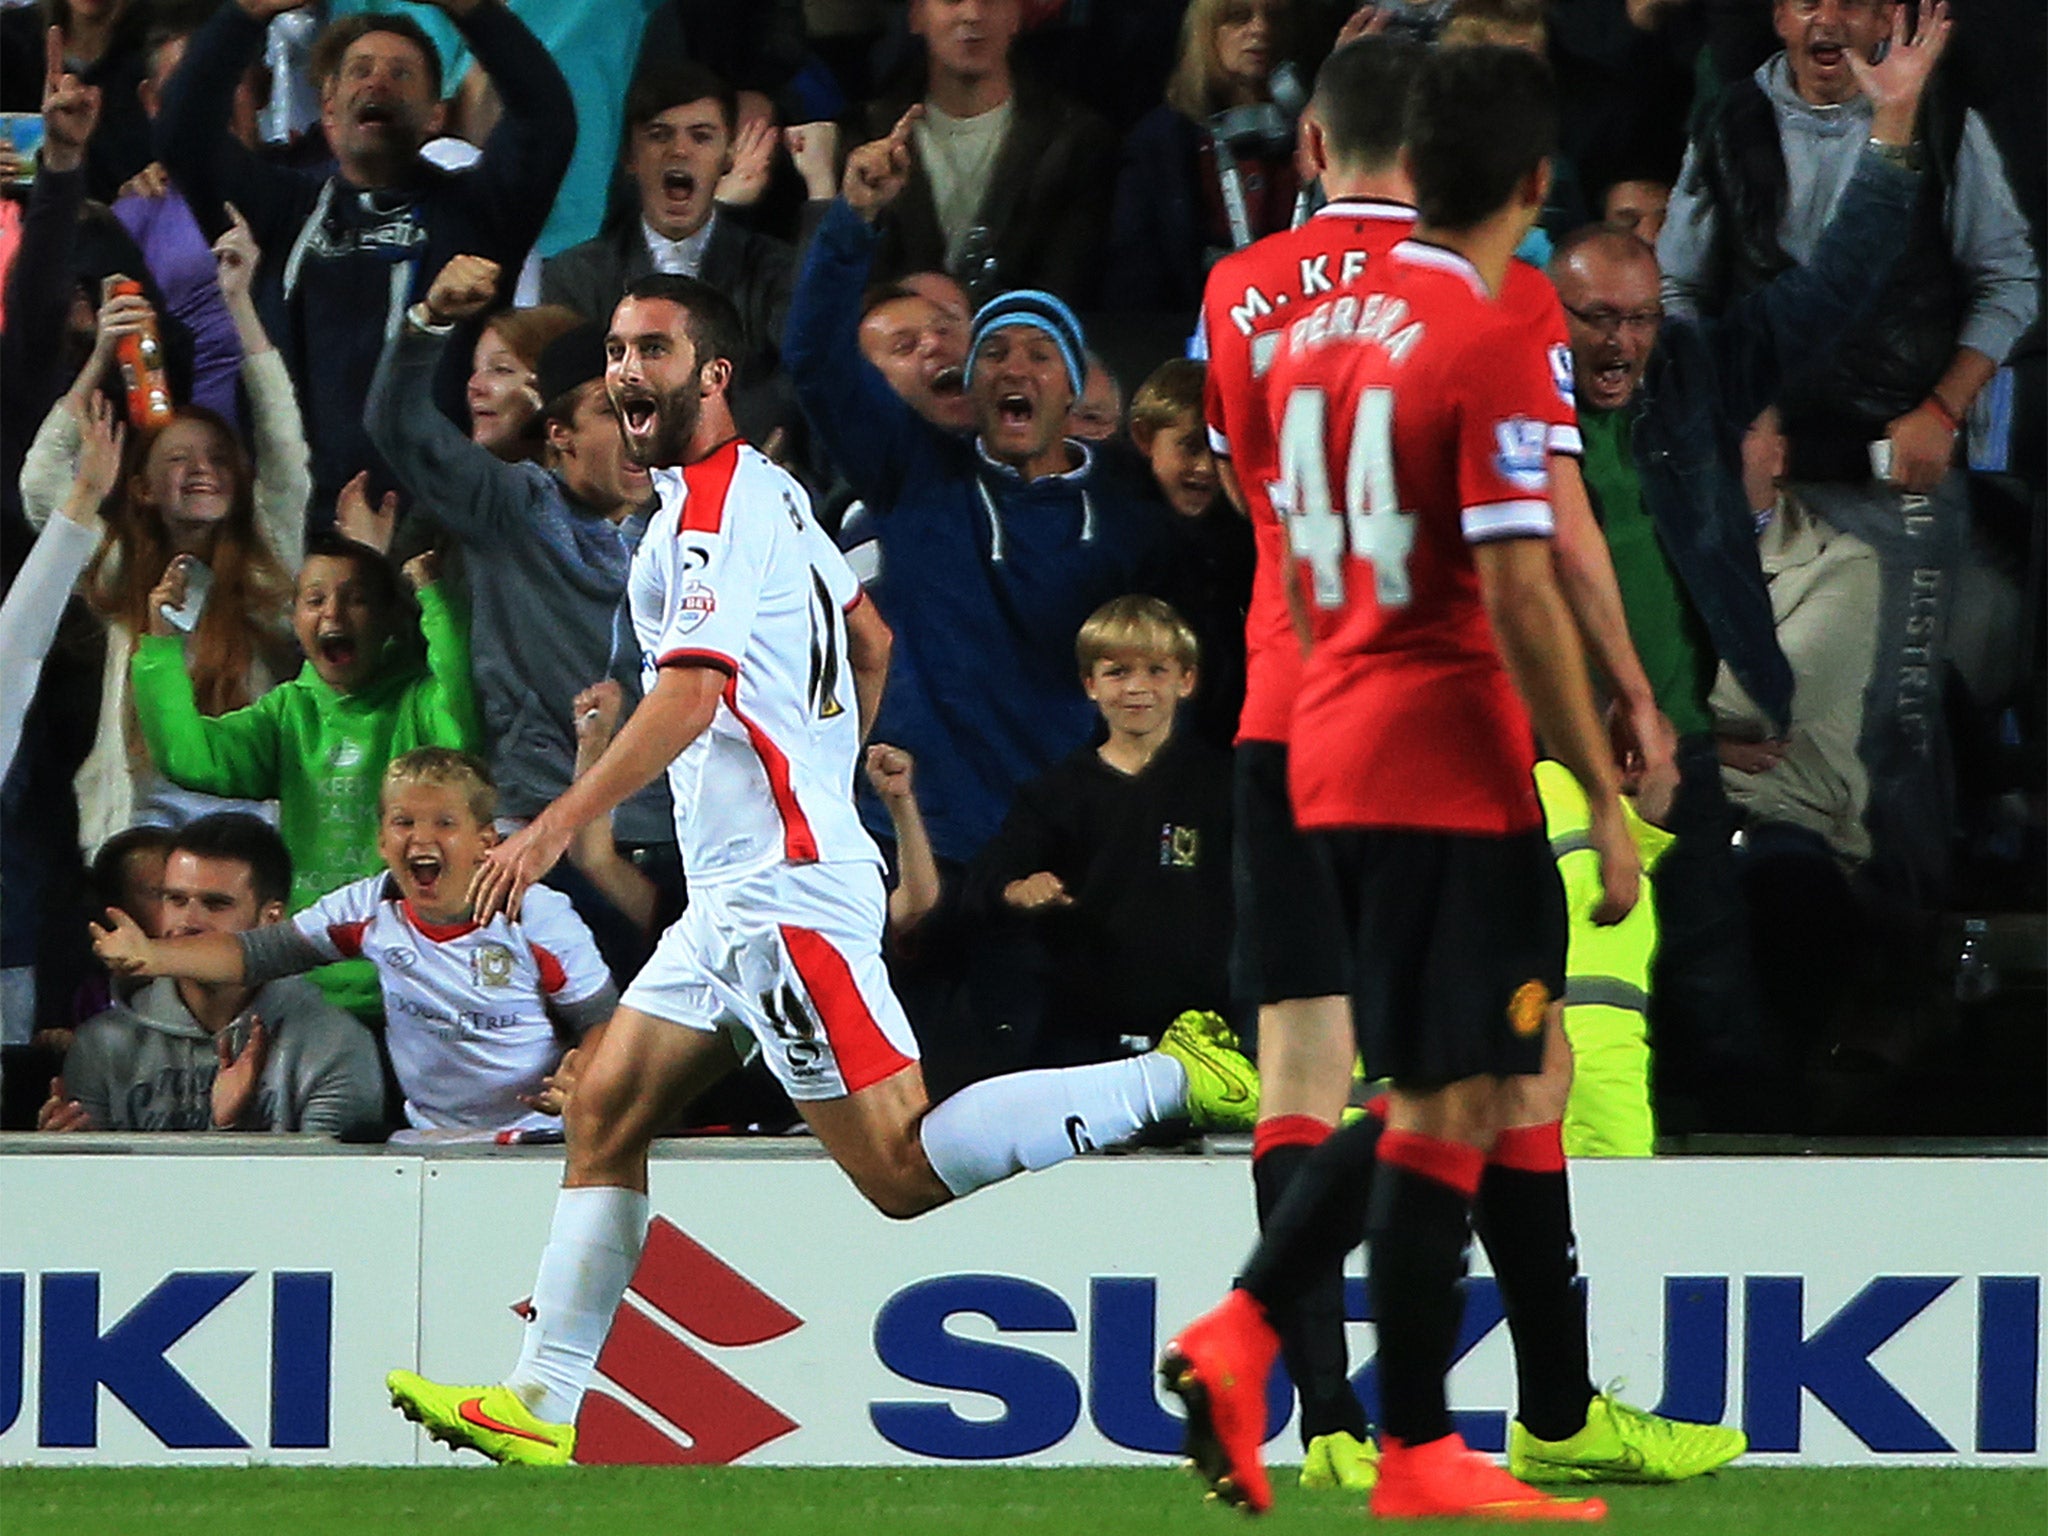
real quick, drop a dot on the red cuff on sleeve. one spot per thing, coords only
(686, 657)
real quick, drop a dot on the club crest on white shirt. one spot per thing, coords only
(491, 965)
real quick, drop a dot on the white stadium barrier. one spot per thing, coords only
(166, 1303)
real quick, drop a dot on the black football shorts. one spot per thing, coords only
(1458, 948)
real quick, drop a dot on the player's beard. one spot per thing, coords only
(675, 423)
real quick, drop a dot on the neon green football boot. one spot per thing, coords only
(1223, 1087)
(1620, 1444)
(491, 1421)
(1342, 1461)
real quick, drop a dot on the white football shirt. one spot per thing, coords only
(734, 573)
(469, 1010)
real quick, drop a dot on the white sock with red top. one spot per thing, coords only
(1004, 1125)
(593, 1249)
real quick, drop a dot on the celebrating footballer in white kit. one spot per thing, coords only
(764, 665)
(781, 940)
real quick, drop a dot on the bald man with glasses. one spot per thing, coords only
(1663, 404)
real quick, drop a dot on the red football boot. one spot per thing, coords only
(1217, 1366)
(1422, 1482)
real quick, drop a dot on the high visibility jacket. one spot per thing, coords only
(1607, 980)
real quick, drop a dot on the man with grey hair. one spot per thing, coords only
(1873, 425)
(1663, 405)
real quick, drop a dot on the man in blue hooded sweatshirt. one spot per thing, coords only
(989, 550)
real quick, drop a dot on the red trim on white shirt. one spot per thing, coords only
(552, 975)
(685, 656)
(799, 845)
(704, 486)
(863, 1052)
(860, 595)
(347, 937)
(439, 933)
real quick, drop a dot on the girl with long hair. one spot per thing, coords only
(201, 540)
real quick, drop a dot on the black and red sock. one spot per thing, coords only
(1311, 1321)
(1420, 1225)
(1524, 1216)
(1321, 1216)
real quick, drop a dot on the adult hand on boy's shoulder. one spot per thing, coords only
(509, 869)
(1033, 892)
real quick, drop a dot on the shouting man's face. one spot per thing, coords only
(380, 106)
(1819, 35)
(655, 383)
(1021, 393)
(676, 158)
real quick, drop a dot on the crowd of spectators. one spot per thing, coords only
(283, 652)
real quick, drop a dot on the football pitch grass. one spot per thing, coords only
(994, 1501)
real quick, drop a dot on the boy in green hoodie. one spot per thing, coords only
(319, 743)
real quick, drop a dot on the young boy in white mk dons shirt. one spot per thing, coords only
(477, 1011)
(764, 664)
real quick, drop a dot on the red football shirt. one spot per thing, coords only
(1251, 294)
(1415, 417)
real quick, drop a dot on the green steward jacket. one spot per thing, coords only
(320, 754)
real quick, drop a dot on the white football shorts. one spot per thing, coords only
(787, 962)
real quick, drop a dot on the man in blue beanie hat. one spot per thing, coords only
(984, 553)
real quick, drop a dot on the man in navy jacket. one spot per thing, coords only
(348, 251)
(992, 548)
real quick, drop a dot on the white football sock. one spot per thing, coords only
(592, 1251)
(1004, 1125)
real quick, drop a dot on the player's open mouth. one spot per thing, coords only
(637, 415)
(1014, 411)
(948, 381)
(337, 650)
(679, 183)
(376, 114)
(1827, 55)
(425, 870)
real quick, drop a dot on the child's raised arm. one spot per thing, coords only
(596, 713)
(251, 957)
(889, 771)
(127, 951)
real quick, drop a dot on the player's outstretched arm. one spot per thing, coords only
(127, 951)
(1540, 646)
(675, 712)
(1585, 572)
